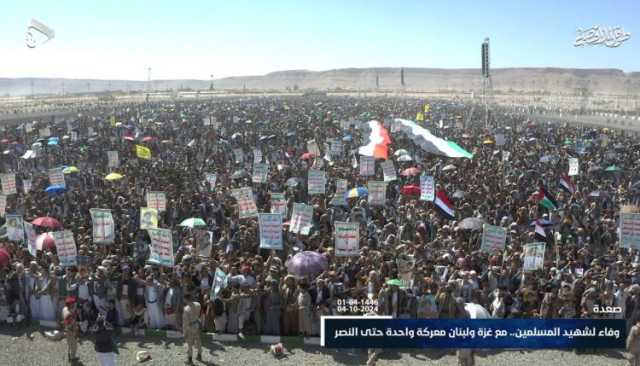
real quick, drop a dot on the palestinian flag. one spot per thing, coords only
(443, 205)
(566, 184)
(377, 142)
(545, 199)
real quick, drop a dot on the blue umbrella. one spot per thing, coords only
(53, 141)
(356, 192)
(347, 137)
(55, 189)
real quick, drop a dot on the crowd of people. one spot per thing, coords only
(584, 264)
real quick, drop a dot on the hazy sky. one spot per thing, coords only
(196, 38)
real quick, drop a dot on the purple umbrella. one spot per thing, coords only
(307, 264)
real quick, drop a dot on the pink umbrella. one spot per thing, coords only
(5, 257)
(148, 138)
(411, 171)
(45, 241)
(46, 221)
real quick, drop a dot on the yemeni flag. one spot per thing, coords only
(443, 205)
(540, 234)
(545, 199)
(566, 184)
(377, 142)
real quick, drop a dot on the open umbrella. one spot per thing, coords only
(410, 190)
(404, 158)
(449, 168)
(114, 176)
(476, 311)
(394, 282)
(356, 192)
(613, 168)
(5, 257)
(488, 142)
(347, 138)
(307, 263)
(70, 169)
(193, 222)
(46, 221)
(45, 241)
(55, 189)
(148, 138)
(471, 223)
(410, 172)
(401, 152)
(307, 156)
(292, 182)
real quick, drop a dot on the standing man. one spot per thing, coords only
(69, 318)
(191, 326)
(633, 344)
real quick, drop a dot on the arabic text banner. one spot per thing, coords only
(379, 332)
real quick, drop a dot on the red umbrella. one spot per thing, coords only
(410, 190)
(46, 221)
(307, 156)
(5, 257)
(411, 171)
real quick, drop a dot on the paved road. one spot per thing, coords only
(31, 348)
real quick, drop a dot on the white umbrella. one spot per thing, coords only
(401, 152)
(476, 311)
(405, 158)
(449, 167)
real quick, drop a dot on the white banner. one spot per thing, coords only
(3, 205)
(301, 218)
(270, 225)
(204, 242)
(246, 205)
(56, 177)
(336, 147)
(26, 185)
(66, 248)
(377, 192)
(493, 239)
(312, 147)
(316, 182)
(260, 173)
(148, 218)
(32, 237)
(161, 247)
(257, 156)
(157, 200)
(104, 230)
(114, 160)
(347, 239)
(338, 198)
(389, 171)
(15, 228)
(630, 230)
(278, 203)
(427, 188)
(534, 256)
(574, 166)
(8, 184)
(367, 166)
